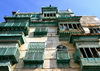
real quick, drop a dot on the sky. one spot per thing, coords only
(79, 7)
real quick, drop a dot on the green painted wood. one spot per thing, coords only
(9, 37)
(87, 44)
(83, 37)
(63, 60)
(40, 32)
(34, 58)
(62, 57)
(93, 64)
(87, 56)
(36, 46)
(15, 27)
(5, 66)
(9, 54)
(43, 24)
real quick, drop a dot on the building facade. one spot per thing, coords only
(50, 40)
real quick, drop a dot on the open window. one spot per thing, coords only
(54, 14)
(70, 26)
(94, 30)
(65, 27)
(74, 25)
(61, 26)
(62, 57)
(49, 14)
(61, 48)
(90, 52)
(44, 15)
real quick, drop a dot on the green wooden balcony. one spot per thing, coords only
(15, 27)
(90, 64)
(36, 46)
(11, 32)
(39, 32)
(5, 66)
(9, 44)
(68, 29)
(12, 37)
(62, 57)
(34, 58)
(9, 54)
(88, 55)
(84, 38)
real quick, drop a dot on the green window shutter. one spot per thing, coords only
(62, 57)
(40, 32)
(34, 58)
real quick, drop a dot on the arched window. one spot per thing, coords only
(61, 48)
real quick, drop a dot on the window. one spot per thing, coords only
(65, 27)
(90, 52)
(94, 30)
(74, 25)
(54, 14)
(50, 15)
(34, 58)
(63, 58)
(70, 26)
(47, 15)
(44, 15)
(61, 26)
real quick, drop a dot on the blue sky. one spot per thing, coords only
(79, 7)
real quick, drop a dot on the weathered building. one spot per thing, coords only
(50, 40)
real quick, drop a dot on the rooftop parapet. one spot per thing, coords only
(50, 8)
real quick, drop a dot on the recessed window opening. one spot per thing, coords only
(54, 14)
(61, 48)
(70, 26)
(88, 53)
(74, 25)
(91, 31)
(95, 30)
(98, 30)
(98, 52)
(44, 15)
(51, 15)
(79, 26)
(94, 52)
(61, 26)
(65, 27)
(98, 49)
(47, 15)
(83, 53)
